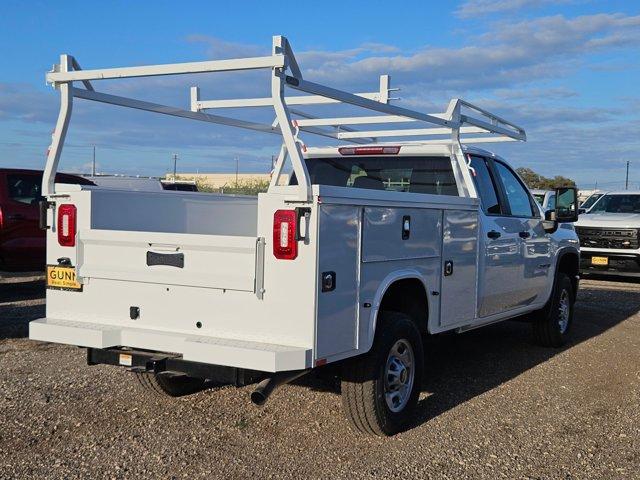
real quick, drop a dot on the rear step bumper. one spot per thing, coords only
(159, 363)
(264, 357)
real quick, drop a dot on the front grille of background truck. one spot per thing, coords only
(620, 238)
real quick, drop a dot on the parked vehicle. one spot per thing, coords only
(586, 206)
(22, 242)
(609, 234)
(180, 185)
(546, 198)
(353, 256)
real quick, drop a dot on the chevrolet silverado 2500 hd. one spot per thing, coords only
(354, 255)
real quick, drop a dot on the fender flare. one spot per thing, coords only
(384, 285)
(562, 252)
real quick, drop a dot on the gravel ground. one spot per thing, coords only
(494, 406)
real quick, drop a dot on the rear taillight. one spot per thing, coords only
(381, 150)
(67, 225)
(1, 218)
(285, 245)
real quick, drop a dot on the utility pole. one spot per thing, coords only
(237, 162)
(626, 182)
(93, 164)
(175, 165)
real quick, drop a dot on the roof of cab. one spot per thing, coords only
(437, 149)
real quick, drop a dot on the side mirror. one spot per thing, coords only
(581, 211)
(566, 205)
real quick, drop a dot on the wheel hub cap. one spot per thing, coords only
(399, 375)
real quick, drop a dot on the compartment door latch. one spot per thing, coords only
(448, 268)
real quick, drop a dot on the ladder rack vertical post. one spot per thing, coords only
(284, 121)
(60, 132)
(453, 112)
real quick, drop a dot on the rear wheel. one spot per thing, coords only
(552, 324)
(169, 384)
(380, 389)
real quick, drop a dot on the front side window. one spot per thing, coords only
(24, 188)
(591, 200)
(485, 186)
(517, 196)
(432, 175)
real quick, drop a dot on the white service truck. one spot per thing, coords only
(353, 256)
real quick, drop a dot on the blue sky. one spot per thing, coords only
(568, 71)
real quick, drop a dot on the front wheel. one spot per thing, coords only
(380, 389)
(551, 325)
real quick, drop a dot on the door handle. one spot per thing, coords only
(493, 234)
(524, 234)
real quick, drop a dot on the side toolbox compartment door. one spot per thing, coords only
(339, 258)
(459, 267)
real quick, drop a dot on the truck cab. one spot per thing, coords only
(354, 255)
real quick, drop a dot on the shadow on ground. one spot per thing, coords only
(20, 302)
(457, 367)
(460, 367)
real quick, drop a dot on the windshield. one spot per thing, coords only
(591, 200)
(618, 204)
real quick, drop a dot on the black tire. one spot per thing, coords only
(551, 325)
(169, 384)
(363, 378)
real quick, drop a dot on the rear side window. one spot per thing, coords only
(432, 175)
(485, 186)
(24, 188)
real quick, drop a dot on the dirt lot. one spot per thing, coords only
(494, 406)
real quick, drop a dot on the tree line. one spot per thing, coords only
(535, 180)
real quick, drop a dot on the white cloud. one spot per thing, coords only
(475, 8)
(508, 54)
(217, 48)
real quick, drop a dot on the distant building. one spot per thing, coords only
(221, 180)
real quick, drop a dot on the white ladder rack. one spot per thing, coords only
(461, 122)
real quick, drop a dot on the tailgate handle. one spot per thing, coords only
(169, 259)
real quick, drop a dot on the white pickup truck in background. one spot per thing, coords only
(610, 235)
(351, 258)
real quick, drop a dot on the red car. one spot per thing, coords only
(22, 243)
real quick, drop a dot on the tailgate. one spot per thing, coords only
(210, 261)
